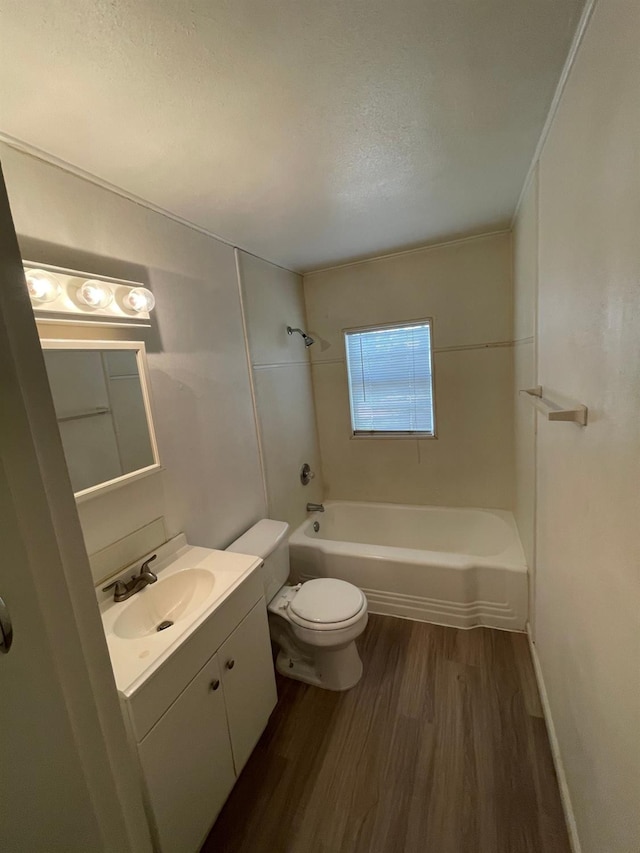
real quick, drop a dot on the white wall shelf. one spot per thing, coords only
(553, 411)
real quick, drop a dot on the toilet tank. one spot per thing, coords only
(268, 540)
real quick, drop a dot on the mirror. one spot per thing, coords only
(100, 392)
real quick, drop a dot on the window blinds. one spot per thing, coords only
(390, 379)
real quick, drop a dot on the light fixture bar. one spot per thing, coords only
(88, 297)
(94, 321)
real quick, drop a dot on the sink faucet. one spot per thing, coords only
(125, 589)
(315, 508)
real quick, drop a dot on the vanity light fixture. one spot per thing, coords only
(43, 286)
(57, 293)
(140, 299)
(95, 294)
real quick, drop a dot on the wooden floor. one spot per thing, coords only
(441, 748)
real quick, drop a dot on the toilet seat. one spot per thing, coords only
(327, 604)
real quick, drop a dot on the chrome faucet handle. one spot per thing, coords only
(120, 587)
(145, 570)
(145, 566)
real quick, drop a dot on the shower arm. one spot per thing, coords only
(306, 338)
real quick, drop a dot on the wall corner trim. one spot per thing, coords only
(581, 29)
(252, 382)
(565, 796)
(58, 163)
(440, 244)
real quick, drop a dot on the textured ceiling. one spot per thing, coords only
(305, 131)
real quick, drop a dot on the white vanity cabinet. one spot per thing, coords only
(187, 765)
(249, 685)
(195, 729)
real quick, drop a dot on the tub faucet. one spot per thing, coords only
(125, 589)
(315, 508)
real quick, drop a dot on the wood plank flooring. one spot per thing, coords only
(441, 748)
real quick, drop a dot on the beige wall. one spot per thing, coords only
(466, 288)
(273, 300)
(525, 284)
(588, 489)
(212, 485)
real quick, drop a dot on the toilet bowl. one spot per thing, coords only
(314, 624)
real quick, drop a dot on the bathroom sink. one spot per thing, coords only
(161, 605)
(144, 631)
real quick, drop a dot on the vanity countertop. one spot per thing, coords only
(137, 649)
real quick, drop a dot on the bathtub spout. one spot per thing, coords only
(315, 508)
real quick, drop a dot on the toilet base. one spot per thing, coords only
(331, 669)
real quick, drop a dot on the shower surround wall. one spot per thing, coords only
(281, 372)
(466, 287)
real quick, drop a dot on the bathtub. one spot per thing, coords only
(457, 567)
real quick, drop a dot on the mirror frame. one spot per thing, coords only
(141, 360)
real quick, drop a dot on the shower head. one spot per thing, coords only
(305, 337)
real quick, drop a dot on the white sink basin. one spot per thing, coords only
(192, 583)
(168, 600)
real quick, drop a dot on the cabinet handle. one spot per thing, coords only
(215, 684)
(230, 664)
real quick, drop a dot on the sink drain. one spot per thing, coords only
(166, 624)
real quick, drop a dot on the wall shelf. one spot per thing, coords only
(553, 411)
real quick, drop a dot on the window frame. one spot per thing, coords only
(387, 435)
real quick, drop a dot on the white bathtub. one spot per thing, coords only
(458, 567)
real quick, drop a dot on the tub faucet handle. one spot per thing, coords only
(306, 474)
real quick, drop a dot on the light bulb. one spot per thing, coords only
(95, 294)
(140, 299)
(42, 286)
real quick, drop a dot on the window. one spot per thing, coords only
(391, 380)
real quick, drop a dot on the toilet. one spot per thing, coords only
(314, 624)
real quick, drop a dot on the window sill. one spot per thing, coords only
(416, 436)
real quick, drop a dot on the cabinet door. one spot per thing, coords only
(187, 764)
(249, 682)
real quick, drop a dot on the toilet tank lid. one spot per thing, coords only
(261, 539)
